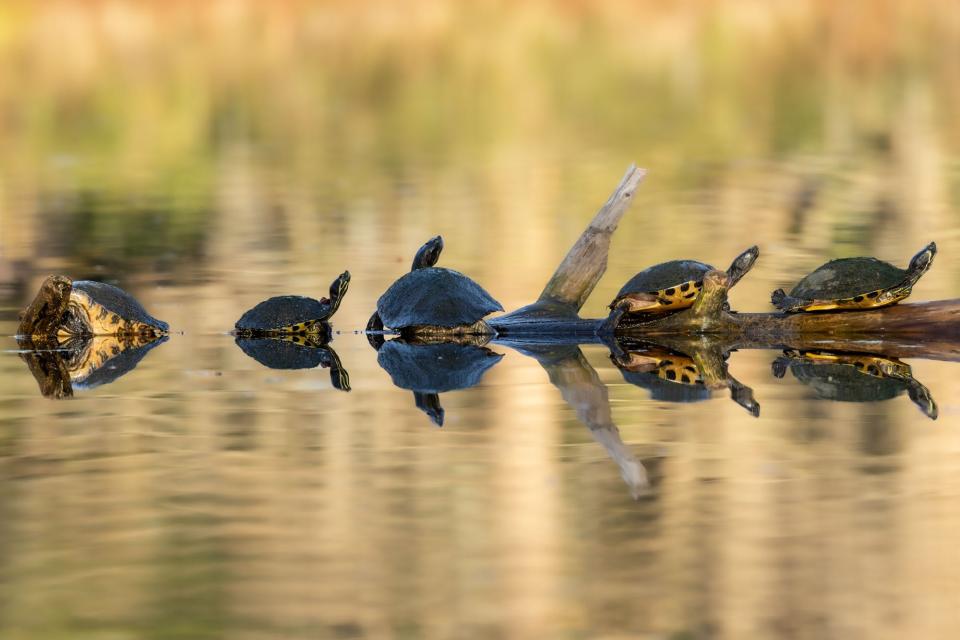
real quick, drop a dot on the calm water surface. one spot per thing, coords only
(204, 495)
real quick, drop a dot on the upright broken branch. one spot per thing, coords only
(585, 263)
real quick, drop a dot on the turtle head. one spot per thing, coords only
(428, 254)
(922, 398)
(741, 265)
(338, 289)
(922, 261)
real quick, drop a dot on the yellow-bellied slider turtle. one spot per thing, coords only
(855, 283)
(67, 308)
(855, 377)
(297, 352)
(433, 303)
(431, 369)
(85, 362)
(297, 316)
(672, 376)
(669, 287)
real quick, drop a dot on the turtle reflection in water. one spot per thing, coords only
(84, 334)
(297, 352)
(293, 332)
(65, 309)
(431, 369)
(434, 304)
(855, 377)
(673, 376)
(85, 362)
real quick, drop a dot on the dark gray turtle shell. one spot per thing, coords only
(844, 383)
(118, 366)
(848, 277)
(665, 390)
(665, 275)
(283, 354)
(118, 301)
(435, 368)
(434, 297)
(282, 311)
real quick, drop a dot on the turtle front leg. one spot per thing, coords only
(376, 340)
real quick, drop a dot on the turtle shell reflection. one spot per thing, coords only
(297, 352)
(671, 375)
(431, 369)
(83, 363)
(855, 377)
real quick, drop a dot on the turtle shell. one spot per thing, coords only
(436, 297)
(435, 368)
(665, 275)
(283, 311)
(283, 354)
(115, 301)
(844, 383)
(848, 277)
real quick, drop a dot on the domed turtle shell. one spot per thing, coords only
(849, 277)
(115, 301)
(435, 368)
(665, 275)
(282, 311)
(437, 297)
(845, 383)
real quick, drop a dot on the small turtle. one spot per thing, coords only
(66, 308)
(855, 283)
(432, 303)
(296, 316)
(85, 362)
(672, 376)
(669, 287)
(431, 369)
(297, 352)
(855, 377)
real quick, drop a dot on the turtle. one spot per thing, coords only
(66, 308)
(431, 369)
(297, 352)
(669, 287)
(855, 377)
(299, 317)
(85, 362)
(433, 303)
(855, 283)
(673, 376)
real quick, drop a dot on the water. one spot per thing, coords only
(207, 161)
